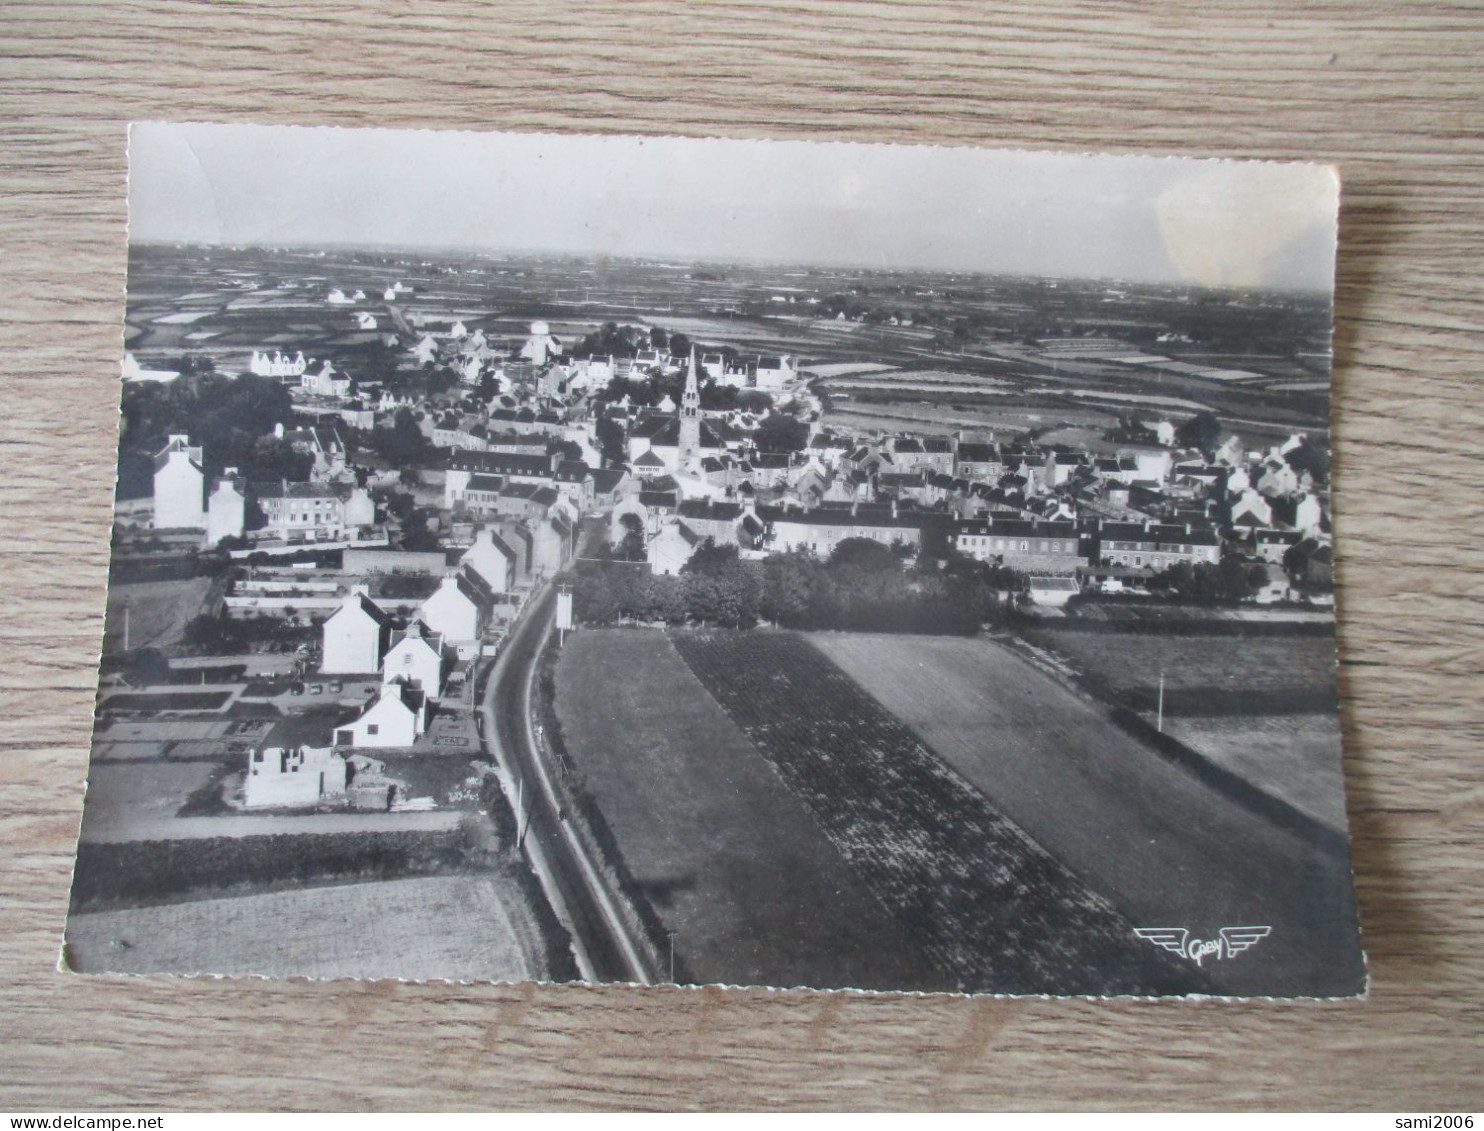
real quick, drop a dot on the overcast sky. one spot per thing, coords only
(1142, 218)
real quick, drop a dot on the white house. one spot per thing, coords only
(493, 559)
(1164, 431)
(278, 365)
(773, 373)
(179, 486)
(325, 383)
(1251, 503)
(1154, 463)
(279, 777)
(315, 512)
(540, 346)
(417, 659)
(426, 350)
(355, 636)
(458, 611)
(397, 718)
(366, 321)
(1308, 515)
(337, 297)
(226, 508)
(671, 548)
(1231, 452)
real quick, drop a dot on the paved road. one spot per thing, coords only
(122, 829)
(604, 952)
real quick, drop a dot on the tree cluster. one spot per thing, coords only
(232, 419)
(863, 587)
(1232, 580)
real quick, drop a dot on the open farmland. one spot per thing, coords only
(1293, 757)
(994, 909)
(468, 927)
(1195, 665)
(1156, 840)
(158, 611)
(724, 854)
(1263, 708)
(126, 795)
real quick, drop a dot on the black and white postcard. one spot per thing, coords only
(654, 560)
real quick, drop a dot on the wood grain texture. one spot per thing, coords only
(1391, 93)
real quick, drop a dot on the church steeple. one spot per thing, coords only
(690, 415)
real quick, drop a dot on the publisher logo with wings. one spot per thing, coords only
(1228, 943)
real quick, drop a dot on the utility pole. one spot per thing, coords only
(1161, 702)
(672, 956)
(126, 624)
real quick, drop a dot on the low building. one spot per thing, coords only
(511, 467)
(775, 373)
(671, 548)
(1044, 548)
(1156, 546)
(821, 529)
(978, 461)
(1053, 592)
(315, 512)
(293, 777)
(398, 717)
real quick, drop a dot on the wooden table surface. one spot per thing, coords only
(1389, 92)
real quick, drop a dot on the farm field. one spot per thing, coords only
(125, 795)
(1193, 665)
(126, 825)
(158, 611)
(459, 928)
(993, 908)
(1163, 846)
(726, 856)
(1293, 757)
(921, 416)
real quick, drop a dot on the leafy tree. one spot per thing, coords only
(865, 554)
(781, 433)
(711, 560)
(274, 458)
(631, 547)
(1202, 431)
(610, 437)
(679, 345)
(400, 505)
(415, 533)
(658, 338)
(403, 443)
(1308, 457)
